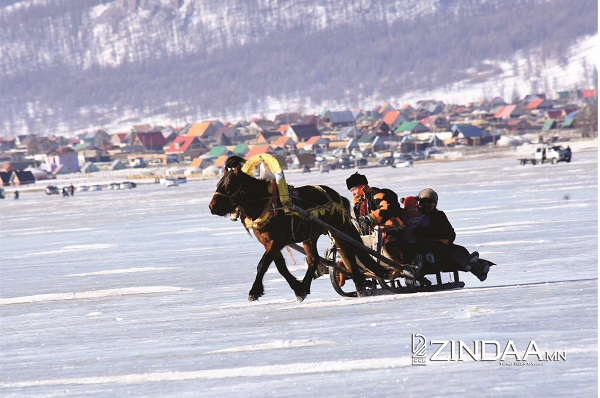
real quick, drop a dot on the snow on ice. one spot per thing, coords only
(143, 292)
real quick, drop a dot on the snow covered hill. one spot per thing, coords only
(76, 64)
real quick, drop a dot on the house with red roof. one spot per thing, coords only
(316, 143)
(187, 146)
(539, 103)
(554, 114)
(395, 118)
(285, 143)
(121, 139)
(508, 112)
(153, 141)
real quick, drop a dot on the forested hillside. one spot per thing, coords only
(73, 64)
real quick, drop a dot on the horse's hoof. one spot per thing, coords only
(363, 292)
(300, 297)
(252, 297)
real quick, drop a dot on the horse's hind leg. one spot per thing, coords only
(291, 279)
(347, 252)
(261, 269)
(312, 258)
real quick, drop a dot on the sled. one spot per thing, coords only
(394, 282)
(400, 278)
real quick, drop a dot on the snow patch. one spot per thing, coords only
(228, 373)
(128, 291)
(274, 345)
(125, 271)
(76, 248)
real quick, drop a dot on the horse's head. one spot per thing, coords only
(226, 197)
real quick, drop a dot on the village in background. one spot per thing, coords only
(384, 136)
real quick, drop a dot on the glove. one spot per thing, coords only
(365, 222)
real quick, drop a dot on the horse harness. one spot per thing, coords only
(270, 210)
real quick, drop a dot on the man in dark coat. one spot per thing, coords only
(435, 236)
(374, 206)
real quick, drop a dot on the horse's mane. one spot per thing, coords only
(345, 203)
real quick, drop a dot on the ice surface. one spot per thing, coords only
(143, 292)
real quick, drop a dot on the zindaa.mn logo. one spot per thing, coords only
(481, 350)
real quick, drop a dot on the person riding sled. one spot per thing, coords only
(377, 207)
(435, 240)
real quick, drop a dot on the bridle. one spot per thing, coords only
(233, 196)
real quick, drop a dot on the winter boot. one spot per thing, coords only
(471, 262)
(480, 270)
(474, 257)
(430, 257)
(417, 264)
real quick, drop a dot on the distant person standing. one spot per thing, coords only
(72, 189)
(16, 194)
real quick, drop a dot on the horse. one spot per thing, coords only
(261, 210)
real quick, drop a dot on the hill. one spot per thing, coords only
(68, 65)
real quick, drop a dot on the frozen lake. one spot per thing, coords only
(143, 293)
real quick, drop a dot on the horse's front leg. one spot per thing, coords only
(294, 283)
(261, 269)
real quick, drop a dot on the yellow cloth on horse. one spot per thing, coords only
(267, 213)
(271, 163)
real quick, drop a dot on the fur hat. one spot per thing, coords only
(355, 180)
(428, 193)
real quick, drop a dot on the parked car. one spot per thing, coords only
(553, 154)
(113, 185)
(96, 187)
(2, 193)
(52, 190)
(430, 151)
(404, 160)
(417, 155)
(83, 188)
(127, 185)
(350, 162)
(387, 161)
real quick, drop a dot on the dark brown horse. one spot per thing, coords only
(261, 210)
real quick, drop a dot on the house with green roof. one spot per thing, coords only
(220, 150)
(549, 125)
(411, 128)
(241, 149)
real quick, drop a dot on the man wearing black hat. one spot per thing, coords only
(374, 206)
